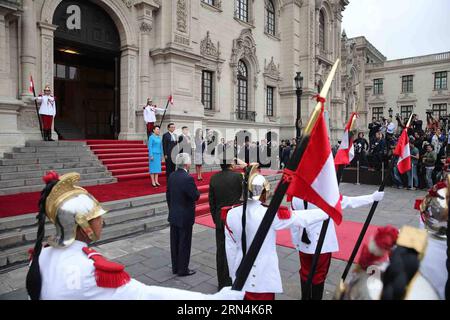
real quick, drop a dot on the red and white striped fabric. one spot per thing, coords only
(315, 179)
(171, 99)
(346, 151)
(402, 151)
(31, 85)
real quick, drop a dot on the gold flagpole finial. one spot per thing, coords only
(323, 93)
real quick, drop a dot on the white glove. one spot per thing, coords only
(228, 294)
(377, 196)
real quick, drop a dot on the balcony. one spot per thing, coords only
(246, 115)
(11, 4)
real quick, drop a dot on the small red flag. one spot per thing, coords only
(403, 153)
(31, 85)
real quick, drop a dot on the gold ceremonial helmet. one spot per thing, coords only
(69, 206)
(257, 183)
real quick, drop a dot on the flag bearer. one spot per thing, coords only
(47, 111)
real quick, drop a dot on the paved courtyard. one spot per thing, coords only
(147, 257)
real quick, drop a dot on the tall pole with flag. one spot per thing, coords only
(404, 165)
(295, 180)
(33, 91)
(169, 100)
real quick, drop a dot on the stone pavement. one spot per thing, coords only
(147, 257)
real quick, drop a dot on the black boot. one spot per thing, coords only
(49, 135)
(317, 291)
(303, 286)
(45, 135)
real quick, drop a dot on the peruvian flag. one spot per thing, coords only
(171, 100)
(315, 179)
(31, 85)
(403, 153)
(346, 151)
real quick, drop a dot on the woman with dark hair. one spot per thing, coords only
(200, 146)
(155, 152)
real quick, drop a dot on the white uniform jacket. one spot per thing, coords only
(47, 105)
(331, 242)
(433, 266)
(265, 275)
(68, 274)
(150, 113)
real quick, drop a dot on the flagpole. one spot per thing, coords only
(370, 216)
(165, 110)
(37, 109)
(248, 261)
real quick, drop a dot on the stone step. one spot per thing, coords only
(59, 159)
(40, 173)
(19, 254)
(49, 166)
(37, 143)
(39, 187)
(46, 155)
(55, 149)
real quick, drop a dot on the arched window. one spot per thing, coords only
(270, 18)
(322, 30)
(242, 83)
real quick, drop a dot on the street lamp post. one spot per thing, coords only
(299, 90)
(391, 112)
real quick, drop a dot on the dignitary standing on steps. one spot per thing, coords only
(47, 111)
(170, 147)
(305, 240)
(150, 115)
(68, 269)
(225, 189)
(182, 193)
(155, 152)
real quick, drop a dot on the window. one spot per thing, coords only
(242, 10)
(439, 110)
(207, 89)
(242, 88)
(405, 111)
(440, 80)
(60, 71)
(378, 86)
(407, 84)
(270, 18)
(377, 112)
(269, 101)
(322, 30)
(210, 2)
(65, 72)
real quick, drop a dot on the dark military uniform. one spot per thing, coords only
(225, 189)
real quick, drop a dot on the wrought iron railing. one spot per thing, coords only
(246, 115)
(13, 3)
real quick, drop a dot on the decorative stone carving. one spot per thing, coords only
(128, 3)
(244, 47)
(182, 16)
(272, 70)
(146, 27)
(207, 47)
(28, 120)
(47, 59)
(132, 91)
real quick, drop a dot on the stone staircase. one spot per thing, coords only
(22, 169)
(128, 217)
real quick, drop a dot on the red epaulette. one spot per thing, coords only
(417, 204)
(223, 216)
(107, 274)
(283, 212)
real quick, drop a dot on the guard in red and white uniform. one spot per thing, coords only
(305, 241)
(68, 269)
(150, 115)
(264, 279)
(47, 111)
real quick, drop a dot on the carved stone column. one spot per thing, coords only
(47, 35)
(28, 54)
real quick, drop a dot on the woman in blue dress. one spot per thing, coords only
(155, 152)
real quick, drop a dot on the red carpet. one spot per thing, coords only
(17, 204)
(347, 234)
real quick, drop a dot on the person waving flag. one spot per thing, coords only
(346, 151)
(403, 153)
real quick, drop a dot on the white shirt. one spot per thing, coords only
(47, 105)
(68, 274)
(433, 266)
(331, 243)
(265, 274)
(150, 113)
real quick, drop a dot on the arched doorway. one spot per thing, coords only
(86, 72)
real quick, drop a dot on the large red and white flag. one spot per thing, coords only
(403, 153)
(315, 179)
(31, 85)
(346, 151)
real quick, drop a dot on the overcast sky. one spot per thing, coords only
(400, 28)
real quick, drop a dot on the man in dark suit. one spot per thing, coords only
(182, 193)
(225, 189)
(170, 142)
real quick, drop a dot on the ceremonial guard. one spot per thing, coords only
(306, 239)
(47, 111)
(264, 279)
(417, 267)
(150, 115)
(68, 269)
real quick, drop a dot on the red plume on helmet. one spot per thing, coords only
(50, 176)
(383, 242)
